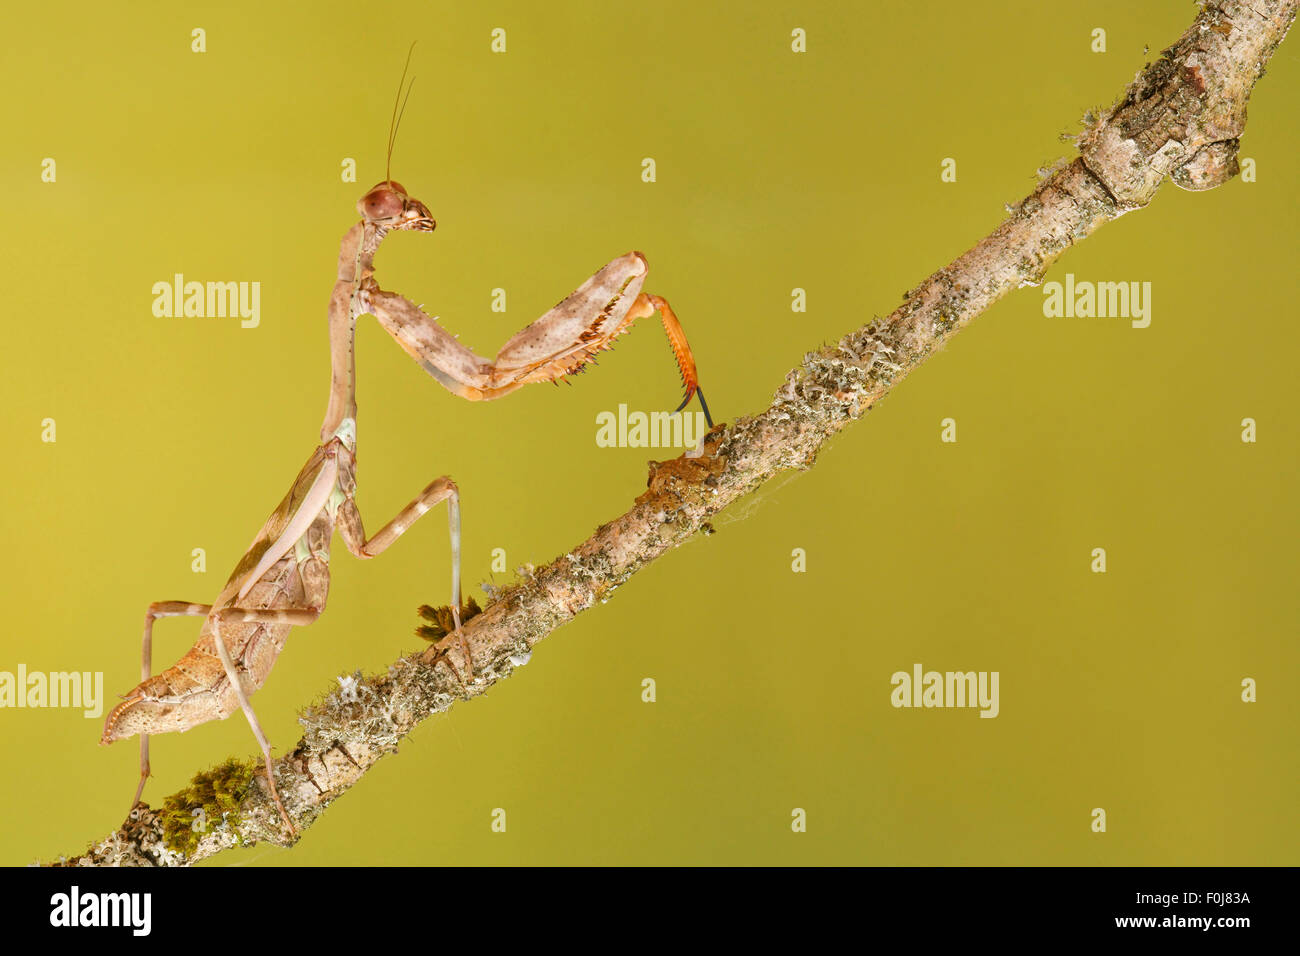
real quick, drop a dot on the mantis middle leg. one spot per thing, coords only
(353, 531)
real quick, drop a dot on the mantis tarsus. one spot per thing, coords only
(283, 579)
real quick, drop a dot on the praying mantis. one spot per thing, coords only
(282, 580)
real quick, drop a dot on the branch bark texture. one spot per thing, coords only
(1181, 118)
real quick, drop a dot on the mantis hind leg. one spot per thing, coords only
(232, 674)
(156, 610)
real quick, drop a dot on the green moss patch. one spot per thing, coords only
(212, 796)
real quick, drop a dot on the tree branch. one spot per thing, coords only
(1181, 118)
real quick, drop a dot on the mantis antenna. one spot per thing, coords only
(396, 121)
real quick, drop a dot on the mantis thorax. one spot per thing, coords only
(347, 434)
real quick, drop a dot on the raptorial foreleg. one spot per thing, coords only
(560, 343)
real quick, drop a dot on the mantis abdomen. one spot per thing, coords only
(196, 688)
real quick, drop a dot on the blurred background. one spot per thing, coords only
(775, 170)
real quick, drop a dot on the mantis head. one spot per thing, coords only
(388, 205)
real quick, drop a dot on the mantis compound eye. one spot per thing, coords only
(381, 203)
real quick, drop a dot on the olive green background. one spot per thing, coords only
(775, 171)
